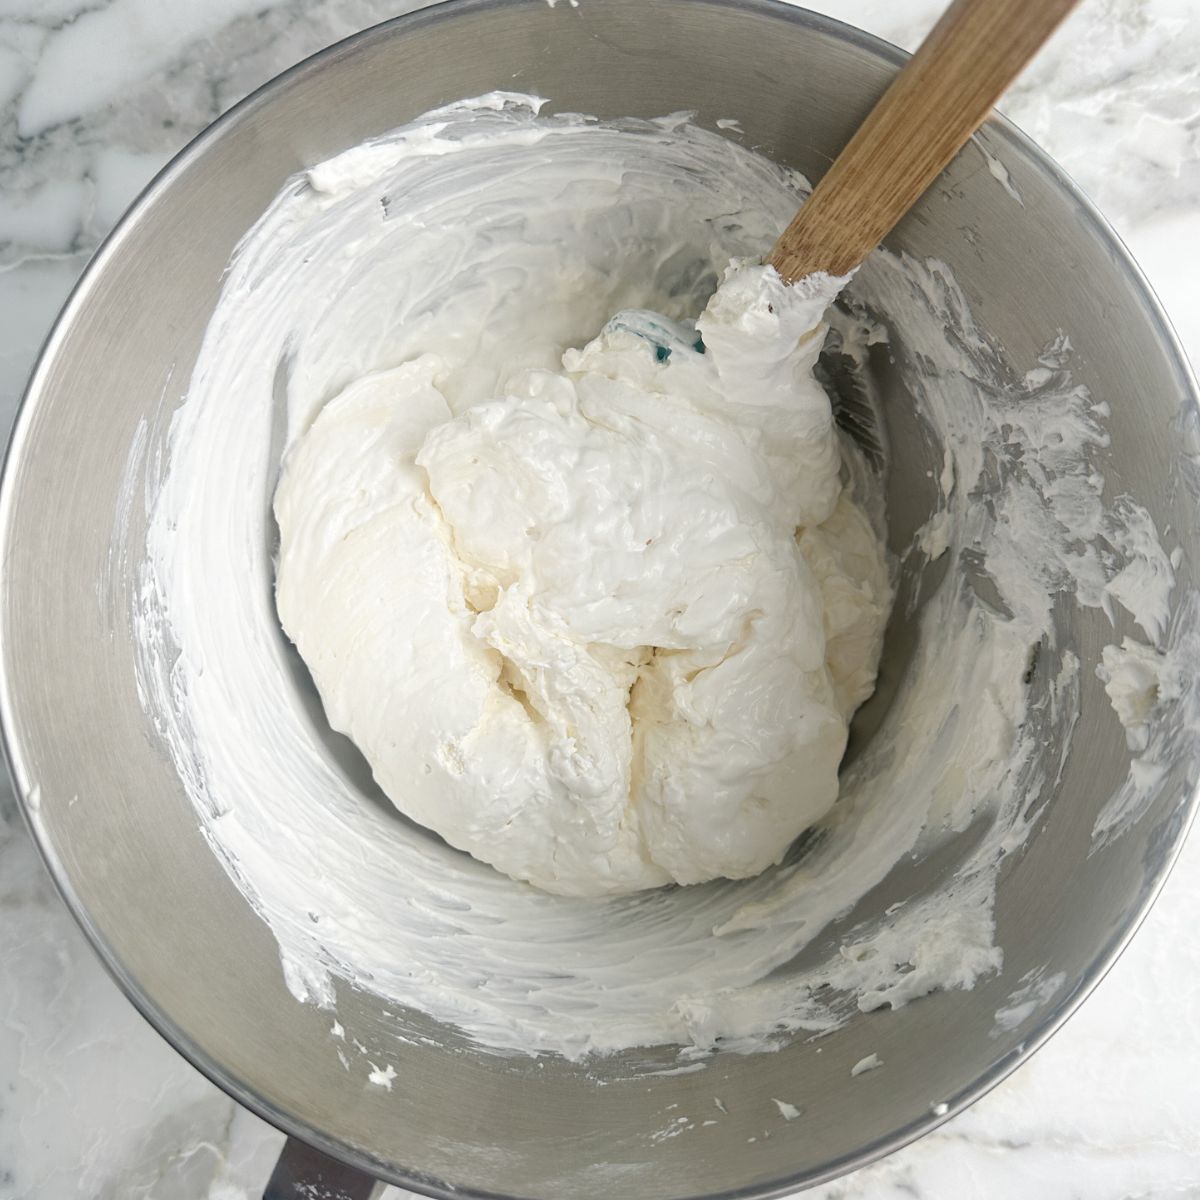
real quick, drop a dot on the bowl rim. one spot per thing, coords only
(998, 127)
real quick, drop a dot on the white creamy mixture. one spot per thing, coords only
(573, 629)
(522, 643)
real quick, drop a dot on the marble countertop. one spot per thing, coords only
(95, 96)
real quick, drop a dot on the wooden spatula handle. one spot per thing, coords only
(942, 95)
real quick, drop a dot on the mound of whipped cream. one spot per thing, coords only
(604, 631)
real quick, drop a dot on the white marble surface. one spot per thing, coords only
(95, 95)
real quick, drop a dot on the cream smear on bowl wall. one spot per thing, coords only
(457, 260)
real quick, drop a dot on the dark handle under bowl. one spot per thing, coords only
(303, 1172)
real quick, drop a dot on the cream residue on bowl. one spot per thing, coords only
(484, 233)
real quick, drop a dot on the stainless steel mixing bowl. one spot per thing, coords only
(120, 835)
